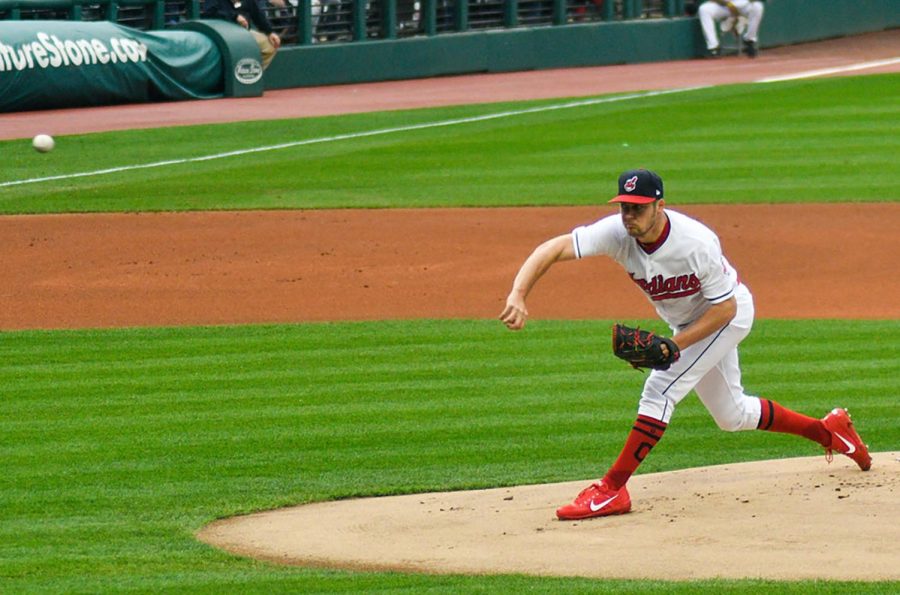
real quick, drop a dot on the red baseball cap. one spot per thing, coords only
(639, 186)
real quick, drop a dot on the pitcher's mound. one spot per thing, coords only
(784, 519)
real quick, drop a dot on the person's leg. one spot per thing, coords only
(721, 393)
(754, 14)
(663, 390)
(609, 496)
(733, 410)
(644, 435)
(709, 14)
(265, 48)
(710, 367)
(775, 418)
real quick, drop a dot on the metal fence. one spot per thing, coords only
(304, 22)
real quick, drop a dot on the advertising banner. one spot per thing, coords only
(55, 64)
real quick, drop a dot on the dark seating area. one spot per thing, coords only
(303, 22)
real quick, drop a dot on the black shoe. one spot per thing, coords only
(713, 53)
(750, 49)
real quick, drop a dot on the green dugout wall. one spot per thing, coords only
(592, 44)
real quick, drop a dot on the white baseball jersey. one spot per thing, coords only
(682, 274)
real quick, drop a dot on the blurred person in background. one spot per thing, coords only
(742, 16)
(245, 13)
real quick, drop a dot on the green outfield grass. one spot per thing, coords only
(808, 140)
(117, 445)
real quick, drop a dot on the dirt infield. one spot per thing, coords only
(76, 271)
(792, 519)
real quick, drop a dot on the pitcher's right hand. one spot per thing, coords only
(515, 313)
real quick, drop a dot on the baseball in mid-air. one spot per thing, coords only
(43, 143)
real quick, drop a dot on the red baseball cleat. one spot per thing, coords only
(596, 500)
(844, 438)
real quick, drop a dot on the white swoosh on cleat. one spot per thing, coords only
(596, 507)
(850, 448)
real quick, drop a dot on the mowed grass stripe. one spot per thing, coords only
(781, 142)
(282, 399)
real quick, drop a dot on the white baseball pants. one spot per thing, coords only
(711, 368)
(711, 13)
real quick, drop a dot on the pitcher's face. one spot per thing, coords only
(640, 221)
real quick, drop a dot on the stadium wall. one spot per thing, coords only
(596, 44)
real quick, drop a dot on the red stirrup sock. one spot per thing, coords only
(775, 418)
(641, 440)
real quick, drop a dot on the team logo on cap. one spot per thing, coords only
(630, 184)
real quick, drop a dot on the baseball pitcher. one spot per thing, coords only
(679, 264)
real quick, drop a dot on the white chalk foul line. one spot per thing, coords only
(826, 71)
(350, 136)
